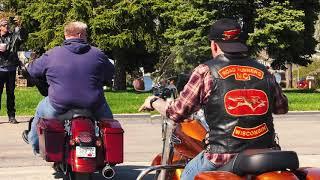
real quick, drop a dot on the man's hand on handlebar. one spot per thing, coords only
(146, 106)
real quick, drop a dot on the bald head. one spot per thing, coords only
(75, 29)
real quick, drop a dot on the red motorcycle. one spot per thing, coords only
(79, 146)
(77, 143)
(183, 141)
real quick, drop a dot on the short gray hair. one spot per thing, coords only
(75, 27)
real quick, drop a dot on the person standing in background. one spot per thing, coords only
(9, 43)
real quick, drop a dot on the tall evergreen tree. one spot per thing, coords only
(129, 25)
(280, 31)
(138, 33)
(45, 19)
(189, 24)
(185, 32)
(129, 31)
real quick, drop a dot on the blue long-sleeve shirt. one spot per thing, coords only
(76, 73)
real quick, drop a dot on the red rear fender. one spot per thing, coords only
(82, 124)
(83, 130)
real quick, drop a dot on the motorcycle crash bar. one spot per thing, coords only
(159, 167)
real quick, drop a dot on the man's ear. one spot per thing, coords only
(214, 46)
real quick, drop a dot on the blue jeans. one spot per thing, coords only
(197, 165)
(45, 110)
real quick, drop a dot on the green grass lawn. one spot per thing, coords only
(303, 100)
(120, 102)
(129, 101)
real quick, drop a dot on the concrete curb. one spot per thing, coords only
(156, 119)
(123, 118)
(138, 118)
(300, 113)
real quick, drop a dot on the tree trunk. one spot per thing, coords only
(248, 19)
(289, 76)
(120, 72)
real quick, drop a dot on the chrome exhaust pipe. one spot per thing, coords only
(108, 172)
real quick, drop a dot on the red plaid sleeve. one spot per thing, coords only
(193, 96)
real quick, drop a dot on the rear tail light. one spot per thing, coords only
(85, 137)
(99, 143)
(72, 142)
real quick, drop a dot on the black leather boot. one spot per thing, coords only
(12, 120)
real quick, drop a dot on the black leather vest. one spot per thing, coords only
(10, 56)
(239, 109)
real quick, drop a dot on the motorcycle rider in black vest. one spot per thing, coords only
(9, 43)
(238, 96)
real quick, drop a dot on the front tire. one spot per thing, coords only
(79, 176)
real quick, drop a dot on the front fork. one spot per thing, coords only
(168, 147)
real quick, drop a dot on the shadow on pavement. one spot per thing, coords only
(126, 172)
(7, 122)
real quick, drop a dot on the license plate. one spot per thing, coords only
(87, 152)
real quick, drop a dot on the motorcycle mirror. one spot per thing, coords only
(278, 77)
(143, 84)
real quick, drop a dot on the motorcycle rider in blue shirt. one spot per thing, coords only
(75, 73)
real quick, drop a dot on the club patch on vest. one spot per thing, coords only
(250, 133)
(241, 73)
(244, 102)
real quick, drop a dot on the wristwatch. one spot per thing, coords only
(152, 101)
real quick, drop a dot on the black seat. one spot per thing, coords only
(73, 113)
(258, 161)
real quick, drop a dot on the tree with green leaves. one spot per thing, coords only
(125, 30)
(187, 26)
(129, 31)
(45, 19)
(279, 30)
(139, 33)
(282, 30)
(280, 27)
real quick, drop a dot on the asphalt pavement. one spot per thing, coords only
(297, 131)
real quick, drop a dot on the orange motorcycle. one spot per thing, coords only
(183, 141)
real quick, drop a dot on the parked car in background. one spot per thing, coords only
(302, 84)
